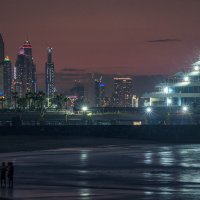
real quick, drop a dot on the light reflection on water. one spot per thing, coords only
(85, 193)
(83, 171)
(148, 193)
(166, 156)
(190, 178)
(84, 154)
(147, 175)
(148, 157)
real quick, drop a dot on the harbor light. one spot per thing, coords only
(169, 101)
(196, 68)
(166, 90)
(185, 109)
(186, 79)
(84, 108)
(148, 110)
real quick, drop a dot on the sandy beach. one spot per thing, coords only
(106, 171)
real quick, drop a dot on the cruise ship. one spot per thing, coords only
(181, 89)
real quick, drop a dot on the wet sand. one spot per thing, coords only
(107, 171)
(19, 143)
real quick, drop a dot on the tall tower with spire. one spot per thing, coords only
(25, 70)
(7, 79)
(49, 74)
(1, 49)
(1, 64)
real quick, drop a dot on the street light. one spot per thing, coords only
(148, 110)
(166, 90)
(84, 108)
(84, 117)
(196, 68)
(148, 115)
(169, 101)
(185, 109)
(186, 79)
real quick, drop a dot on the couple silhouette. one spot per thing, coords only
(7, 173)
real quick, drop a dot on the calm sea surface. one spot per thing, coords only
(143, 171)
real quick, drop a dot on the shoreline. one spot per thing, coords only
(28, 138)
(13, 144)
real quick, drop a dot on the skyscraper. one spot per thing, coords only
(1, 79)
(123, 92)
(1, 49)
(25, 70)
(7, 79)
(20, 74)
(1, 64)
(99, 92)
(49, 74)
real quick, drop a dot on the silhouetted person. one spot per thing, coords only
(3, 174)
(10, 174)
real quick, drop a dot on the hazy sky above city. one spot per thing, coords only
(106, 36)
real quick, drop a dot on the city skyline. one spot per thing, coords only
(127, 37)
(60, 84)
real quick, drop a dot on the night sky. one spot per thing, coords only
(105, 36)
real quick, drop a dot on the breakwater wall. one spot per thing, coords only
(157, 133)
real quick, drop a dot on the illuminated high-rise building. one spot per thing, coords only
(25, 71)
(1, 49)
(99, 92)
(7, 79)
(1, 64)
(1, 79)
(49, 74)
(123, 92)
(20, 74)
